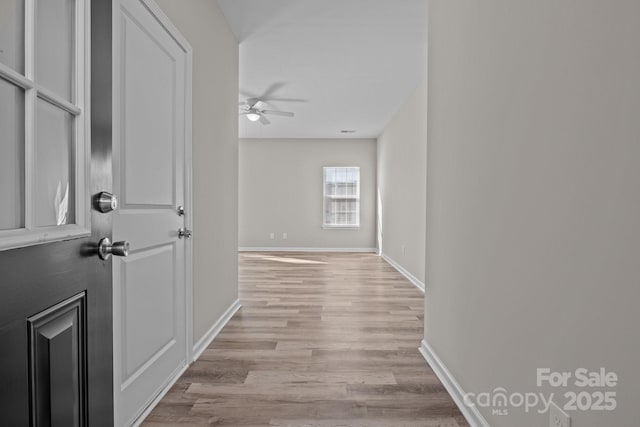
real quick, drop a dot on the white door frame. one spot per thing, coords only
(166, 23)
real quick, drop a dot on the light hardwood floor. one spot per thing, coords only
(321, 340)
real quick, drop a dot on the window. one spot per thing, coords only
(341, 197)
(43, 138)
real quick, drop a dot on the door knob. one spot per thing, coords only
(183, 232)
(106, 248)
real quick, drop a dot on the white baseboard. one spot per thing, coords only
(471, 413)
(206, 339)
(359, 250)
(413, 279)
(160, 395)
(197, 350)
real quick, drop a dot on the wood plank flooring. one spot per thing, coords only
(321, 340)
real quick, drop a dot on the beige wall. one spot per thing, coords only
(402, 181)
(215, 157)
(281, 192)
(533, 196)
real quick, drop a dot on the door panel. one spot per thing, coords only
(34, 280)
(55, 298)
(149, 79)
(153, 333)
(149, 168)
(57, 364)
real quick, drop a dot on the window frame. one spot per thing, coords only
(78, 107)
(325, 225)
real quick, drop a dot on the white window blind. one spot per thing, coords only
(341, 197)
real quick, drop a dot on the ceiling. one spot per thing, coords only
(338, 64)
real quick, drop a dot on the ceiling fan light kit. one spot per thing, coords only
(254, 117)
(251, 109)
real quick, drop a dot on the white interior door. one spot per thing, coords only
(150, 139)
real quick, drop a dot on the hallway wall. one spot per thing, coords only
(402, 183)
(533, 195)
(281, 192)
(215, 157)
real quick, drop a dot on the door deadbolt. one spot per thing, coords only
(105, 202)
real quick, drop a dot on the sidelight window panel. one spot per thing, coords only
(44, 136)
(12, 34)
(55, 46)
(54, 190)
(11, 156)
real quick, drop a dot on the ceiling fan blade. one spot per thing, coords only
(278, 113)
(272, 89)
(252, 102)
(264, 120)
(285, 100)
(260, 105)
(245, 94)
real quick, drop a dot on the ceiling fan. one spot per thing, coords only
(253, 108)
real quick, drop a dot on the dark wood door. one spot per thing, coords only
(56, 298)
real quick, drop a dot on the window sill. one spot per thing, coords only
(340, 227)
(22, 238)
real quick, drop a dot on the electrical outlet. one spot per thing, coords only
(404, 250)
(284, 236)
(272, 236)
(557, 417)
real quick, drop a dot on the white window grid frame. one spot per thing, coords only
(324, 199)
(79, 110)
